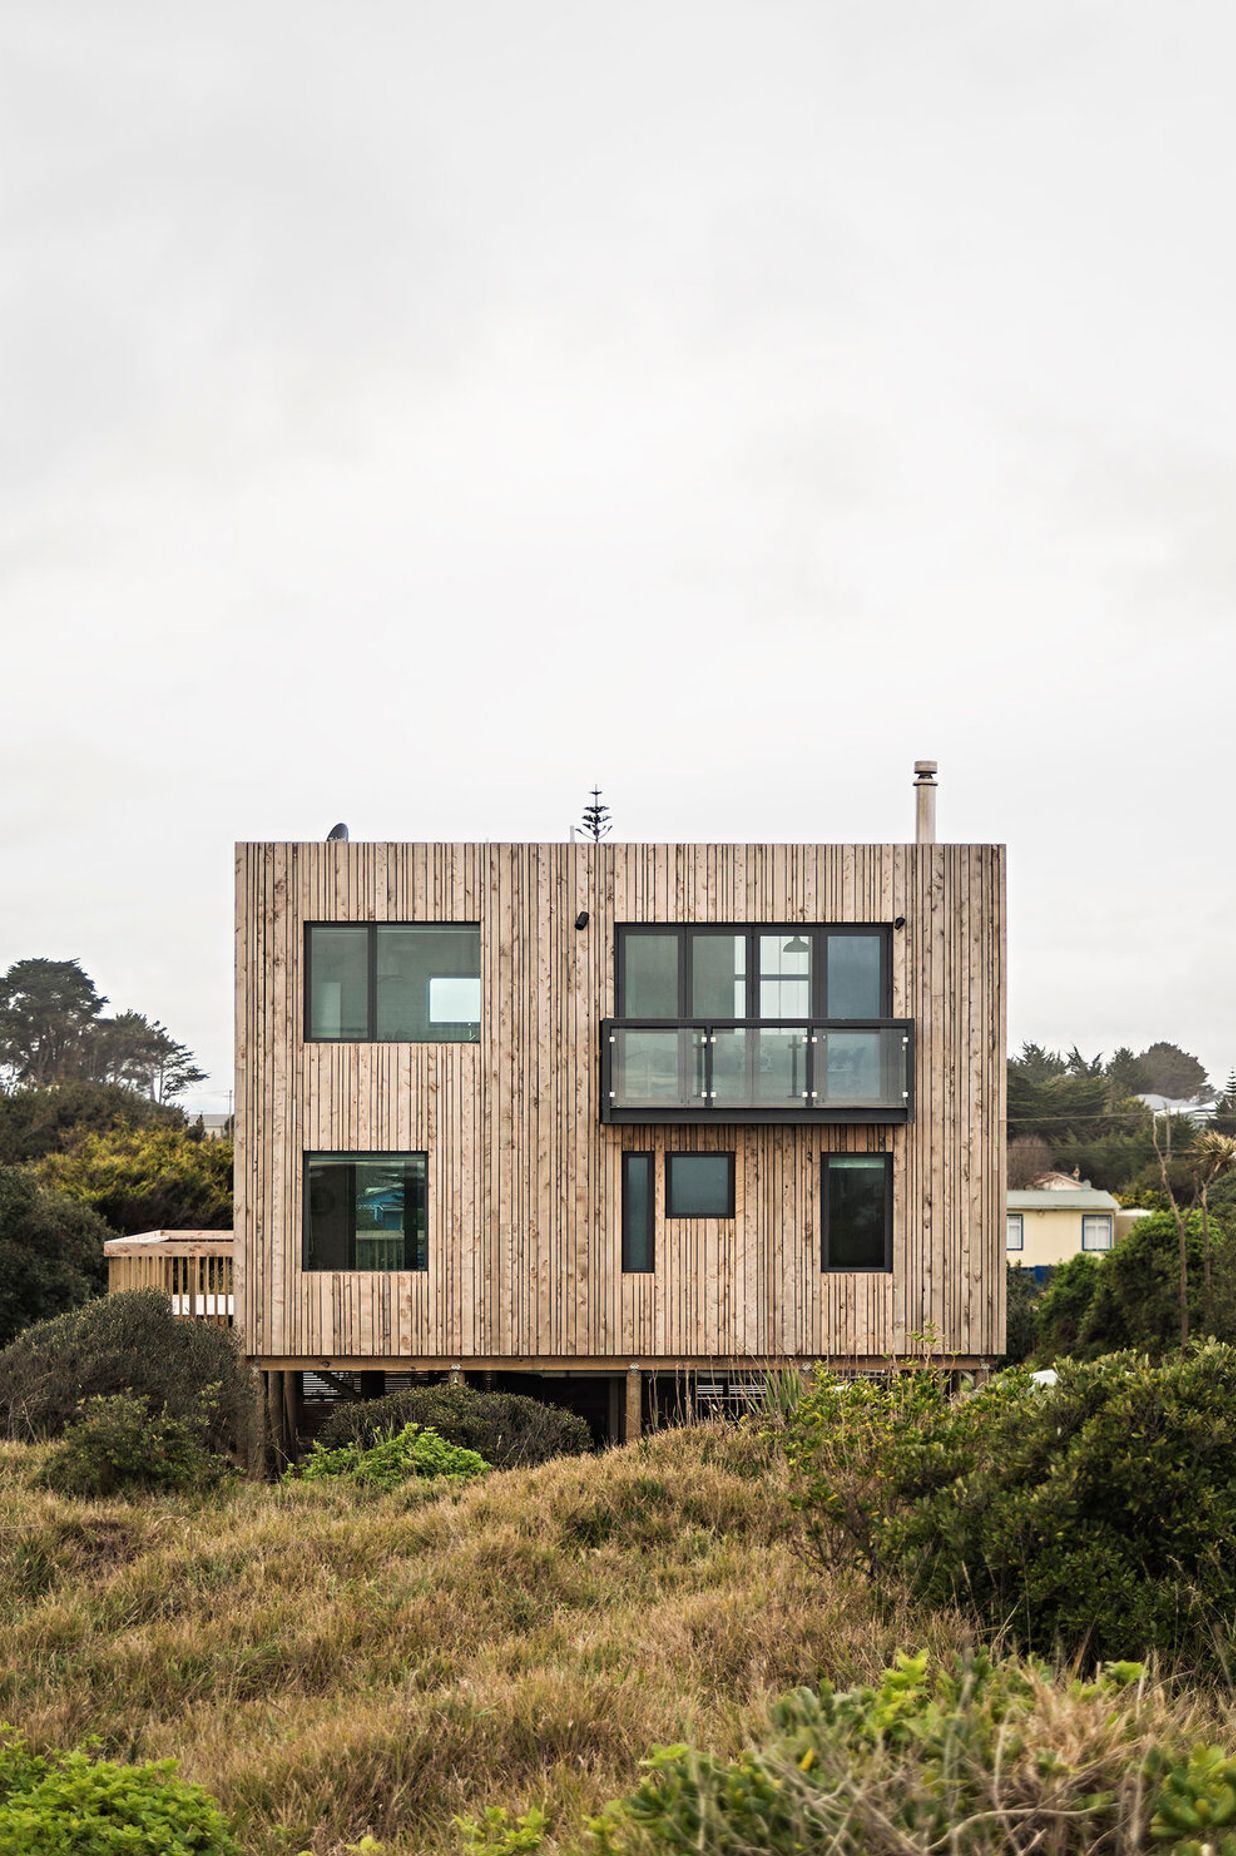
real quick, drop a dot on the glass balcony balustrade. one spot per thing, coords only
(758, 1071)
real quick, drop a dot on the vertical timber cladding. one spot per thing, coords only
(524, 1237)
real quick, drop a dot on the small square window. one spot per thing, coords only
(699, 1185)
(1014, 1231)
(1097, 1231)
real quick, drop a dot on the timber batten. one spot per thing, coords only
(524, 1215)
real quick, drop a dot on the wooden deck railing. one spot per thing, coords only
(193, 1268)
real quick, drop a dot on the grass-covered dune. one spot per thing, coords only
(335, 1664)
(332, 1664)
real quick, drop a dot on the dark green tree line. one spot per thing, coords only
(53, 1031)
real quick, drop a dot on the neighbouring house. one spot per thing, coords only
(1189, 1107)
(1059, 1217)
(589, 1118)
(214, 1127)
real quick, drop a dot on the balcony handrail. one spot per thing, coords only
(757, 1024)
(700, 1043)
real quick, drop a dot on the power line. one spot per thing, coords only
(1121, 1114)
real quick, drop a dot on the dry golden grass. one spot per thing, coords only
(332, 1664)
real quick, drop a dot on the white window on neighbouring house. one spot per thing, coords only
(1097, 1231)
(1014, 1231)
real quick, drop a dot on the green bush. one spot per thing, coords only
(1096, 1516)
(858, 1449)
(508, 1429)
(1063, 1310)
(70, 1804)
(51, 1252)
(128, 1343)
(390, 1460)
(1130, 1297)
(147, 1179)
(1024, 1296)
(118, 1443)
(977, 1758)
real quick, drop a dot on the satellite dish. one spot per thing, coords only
(338, 834)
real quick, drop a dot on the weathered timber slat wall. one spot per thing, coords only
(524, 1204)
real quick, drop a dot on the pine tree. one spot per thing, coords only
(1224, 1121)
(596, 821)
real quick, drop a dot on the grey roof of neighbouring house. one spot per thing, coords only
(1085, 1199)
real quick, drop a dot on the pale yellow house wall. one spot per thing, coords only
(1050, 1237)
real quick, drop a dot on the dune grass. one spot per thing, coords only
(333, 1664)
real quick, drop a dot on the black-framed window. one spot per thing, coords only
(638, 1213)
(754, 970)
(393, 982)
(1014, 1231)
(699, 1185)
(366, 1212)
(856, 1195)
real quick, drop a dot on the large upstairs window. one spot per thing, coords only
(755, 1023)
(393, 982)
(753, 972)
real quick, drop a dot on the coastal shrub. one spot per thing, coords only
(1063, 1310)
(130, 1343)
(861, 1449)
(508, 1429)
(120, 1444)
(415, 1450)
(51, 1251)
(1096, 1516)
(1129, 1297)
(147, 1178)
(71, 1804)
(1022, 1299)
(976, 1757)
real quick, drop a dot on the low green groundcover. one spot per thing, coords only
(71, 1804)
(976, 1757)
(416, 1450)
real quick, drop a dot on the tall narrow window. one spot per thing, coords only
(638, 1213)
(857, 1212)
(366, 1212)
(1014, 1231)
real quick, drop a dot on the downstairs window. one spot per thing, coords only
(366, 1212)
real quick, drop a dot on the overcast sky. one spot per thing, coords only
(410, 414)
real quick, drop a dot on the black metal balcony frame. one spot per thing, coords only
(807, 1115)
